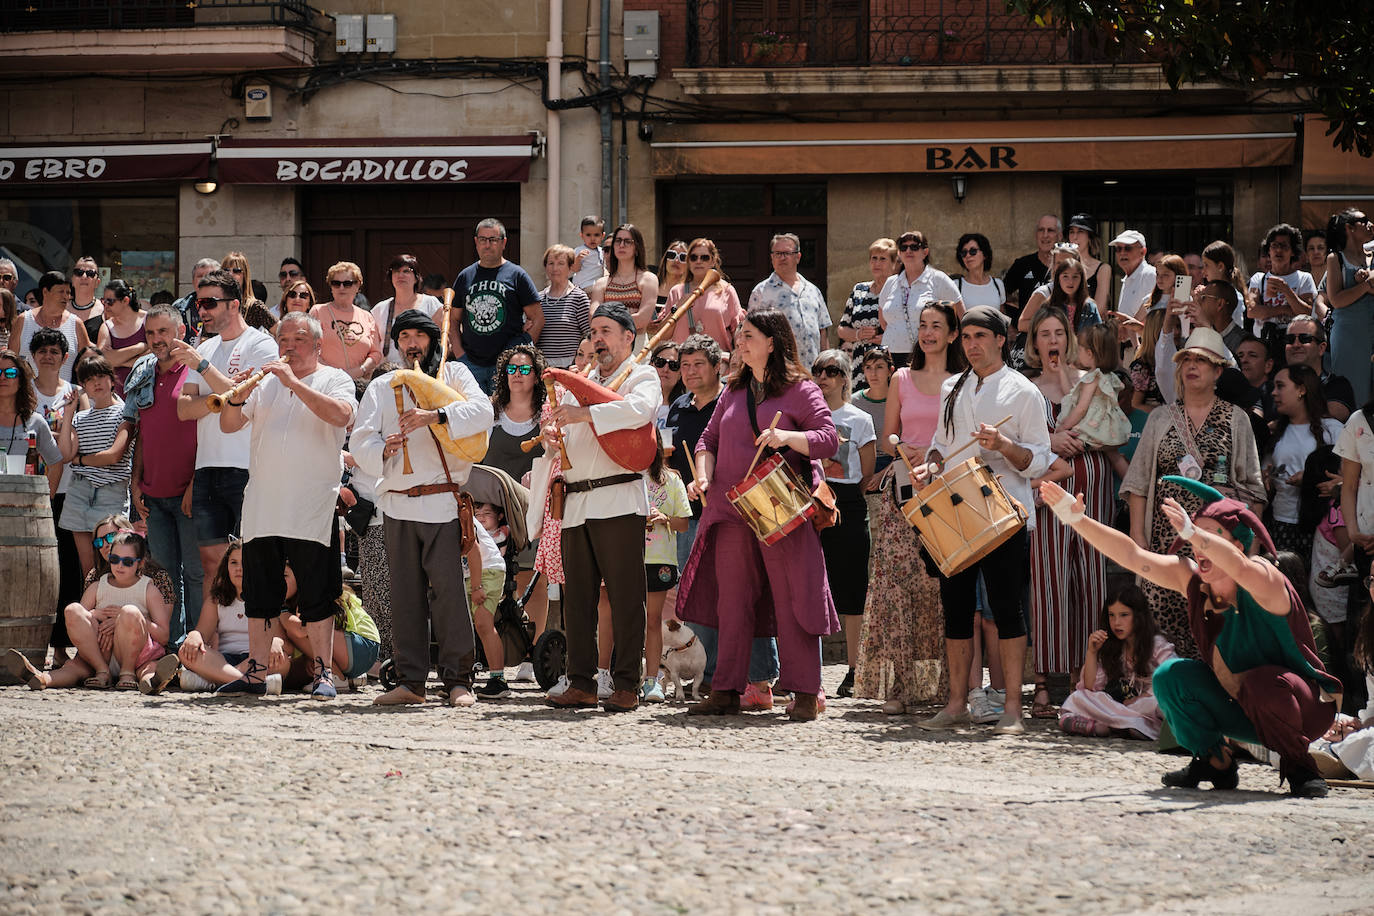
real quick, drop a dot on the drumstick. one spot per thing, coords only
(896, 442)
(700, 466)
(771, 426)
(974, 440)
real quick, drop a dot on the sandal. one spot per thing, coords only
(1045, 710)
(128, 680)
(101, 680)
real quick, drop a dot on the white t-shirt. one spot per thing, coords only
(381, 313)
(991, 293)
(52, 417)
(1287, 459)
(593, 267)
(855, 427)
(1300, 281)
(250, 350)
(490, 553)
(296, 460)
(902, 300)
(233, 628)
(1356, 443)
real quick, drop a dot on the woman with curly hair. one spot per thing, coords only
(517, 397)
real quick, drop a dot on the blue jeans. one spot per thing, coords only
(483, 375)
(763, 654)
(172, 540)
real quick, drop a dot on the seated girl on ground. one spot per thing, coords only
(216, 651)
(118, 627)
(1122, 657)
(356, 640)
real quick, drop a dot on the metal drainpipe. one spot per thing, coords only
(624, 172)
(554, 127)
(604, 75)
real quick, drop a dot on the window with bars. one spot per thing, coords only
(1176, 214)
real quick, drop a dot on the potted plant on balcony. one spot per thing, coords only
(768, 47)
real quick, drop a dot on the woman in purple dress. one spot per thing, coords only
(733, 581)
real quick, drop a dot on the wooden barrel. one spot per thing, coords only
(28, 567)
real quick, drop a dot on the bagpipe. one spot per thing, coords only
(430, 394)
(632, 449)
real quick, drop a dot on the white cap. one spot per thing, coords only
(1129, 237)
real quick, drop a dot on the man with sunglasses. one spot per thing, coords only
(1305, 343)
(235, 351)
(420, 519)
(86, 304)
(291, 271)
(495, 306)
(9, 278)
(186, 305)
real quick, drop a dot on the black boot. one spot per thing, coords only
(1303, 782)
(846, 688)
(1199, 770)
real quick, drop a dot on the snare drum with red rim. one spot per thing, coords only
(963, 515)
(772, 500)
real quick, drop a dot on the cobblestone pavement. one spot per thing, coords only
(186, 804)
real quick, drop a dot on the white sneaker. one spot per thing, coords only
(986, 705)
(194, 683)
(524, 674)
(604, 685)
(273, 682)
(557, 690)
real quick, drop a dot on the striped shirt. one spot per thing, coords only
(95, 431)
(567, 319)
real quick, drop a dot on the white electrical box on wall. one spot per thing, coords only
(349, 33)
(381, 33)
(257, 102)
(641, 42)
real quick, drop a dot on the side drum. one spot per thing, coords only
(28, 567)
(963, 515)
(772, 500)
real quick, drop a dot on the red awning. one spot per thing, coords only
(392, 160)
(85, 163)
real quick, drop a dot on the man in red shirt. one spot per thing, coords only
(165, 463)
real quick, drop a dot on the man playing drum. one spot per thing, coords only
(603, 519)
(1017, 451)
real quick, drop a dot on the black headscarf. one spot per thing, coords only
(416, 320)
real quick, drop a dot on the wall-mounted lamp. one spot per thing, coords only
(960, 183)
(206, 187)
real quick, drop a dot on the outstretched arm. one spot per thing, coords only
(1262, 580)
(1165, 571)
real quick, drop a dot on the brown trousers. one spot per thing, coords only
(609, 549)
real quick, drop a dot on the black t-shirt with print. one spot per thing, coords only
(1022, 277)
(493, 300)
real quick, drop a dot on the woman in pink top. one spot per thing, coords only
(717, 312)
(902, 649)
(351, 341)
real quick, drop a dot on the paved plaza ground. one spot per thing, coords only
(185, 804)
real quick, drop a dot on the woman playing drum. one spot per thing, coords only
(732, 580)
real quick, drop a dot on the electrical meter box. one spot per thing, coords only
(381, 33)
(641, 42)
(349, 33)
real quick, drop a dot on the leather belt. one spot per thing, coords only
(428, 489)
(596, 483)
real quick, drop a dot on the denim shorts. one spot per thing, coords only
(362, 654)
(217, 503)
(86, 504)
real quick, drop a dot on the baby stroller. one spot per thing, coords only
(549, 655)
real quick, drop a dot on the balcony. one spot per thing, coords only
(776, 34)
(156, 36)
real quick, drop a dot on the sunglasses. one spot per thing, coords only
(83, 272)
(123, 561)
(288, 273)
(107, 302)
(209, 302)
(968, 251)
(676, 256)
(344, 284)
(236, 270)
(9, 372)
(828, 372)
(912, 246)
(298, 294)
(1300, 338)
(519, 370)
(699, 257)
(660, 362)
(7, 278)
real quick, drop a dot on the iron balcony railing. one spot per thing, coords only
(817, 33)
(80, 15)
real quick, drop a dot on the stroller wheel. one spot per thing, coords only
(388, 674)
(550, 658)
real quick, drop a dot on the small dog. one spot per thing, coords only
(683, 657)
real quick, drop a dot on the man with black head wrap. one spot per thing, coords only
(419, 513)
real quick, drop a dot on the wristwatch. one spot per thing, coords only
(202, 365)
(443, 416)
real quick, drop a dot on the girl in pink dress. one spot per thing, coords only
(1121, 660)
